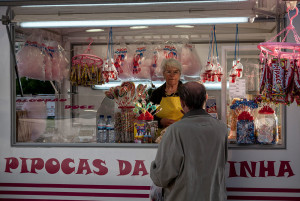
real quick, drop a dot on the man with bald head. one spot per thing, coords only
(190, 160)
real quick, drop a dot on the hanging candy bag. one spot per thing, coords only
(141, 63)
(30, 59)
(278, 82)
(122, 58)
(191, 65)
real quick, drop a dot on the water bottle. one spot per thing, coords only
(101, 129)
(110, 130)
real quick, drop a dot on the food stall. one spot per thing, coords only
(52, 145)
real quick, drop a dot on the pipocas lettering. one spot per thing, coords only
(68, 166)
(265, 169)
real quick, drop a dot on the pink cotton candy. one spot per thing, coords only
(61, 69)
(141, 62)
(30, 61)
(64, 71)
(126, 68)
(160, 53)
(145, 69)
(36, 117)
(191, 65)
(63, 63)
(157, 58)
(56, 72)
(30, 58)
(48, 66)
(122, 58)
(53, 50)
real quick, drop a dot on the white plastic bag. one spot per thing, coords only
(156, 193)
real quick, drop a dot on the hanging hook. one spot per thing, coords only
(291, 18)
(89, 46)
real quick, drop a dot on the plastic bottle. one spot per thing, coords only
(110, 132)
(101, 130)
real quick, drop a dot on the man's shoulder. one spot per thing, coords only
(202, 118)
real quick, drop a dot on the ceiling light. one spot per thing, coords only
(184, 26)
(134, 3)
(139, 22)
(139, 27)
(94, 30)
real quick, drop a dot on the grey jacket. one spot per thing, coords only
(190, 160)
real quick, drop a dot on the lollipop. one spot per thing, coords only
(109, 94)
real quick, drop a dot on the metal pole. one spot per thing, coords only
(6, 21)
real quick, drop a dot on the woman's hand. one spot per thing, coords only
(166, 122)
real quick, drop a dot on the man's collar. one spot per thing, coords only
(195, 112)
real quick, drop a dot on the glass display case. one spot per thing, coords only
(249, 125)
(64, 114)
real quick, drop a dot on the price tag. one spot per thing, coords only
(238, 89)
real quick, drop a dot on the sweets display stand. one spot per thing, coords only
(280, 73)
(86, 69)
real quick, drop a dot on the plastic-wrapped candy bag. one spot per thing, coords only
(239, 68)
(233, 72)
(30, 58)
(156, 193)
(58, 60)
(63, 63)
(266, 126)
(157, 58)
(47, 63)
(55, 59)
(122, 59)
(217, 71)
(278, 80)
(141, 63)
(109, 70)
(46, 41)
(205, 73)
(245, 129)
(160, 53)
(190, 61)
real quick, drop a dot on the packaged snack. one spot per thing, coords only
(141, 63)
(278, 83)
(269, 79)
(262, 81)
(245, 129)
(190, 61)
(122, 59)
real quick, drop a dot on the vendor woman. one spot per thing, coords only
(166, 95)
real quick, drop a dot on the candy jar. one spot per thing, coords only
(245, 129)
(124, 120)
(152, 127)
(266, 126)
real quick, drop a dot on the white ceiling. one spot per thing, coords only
(263, 28)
